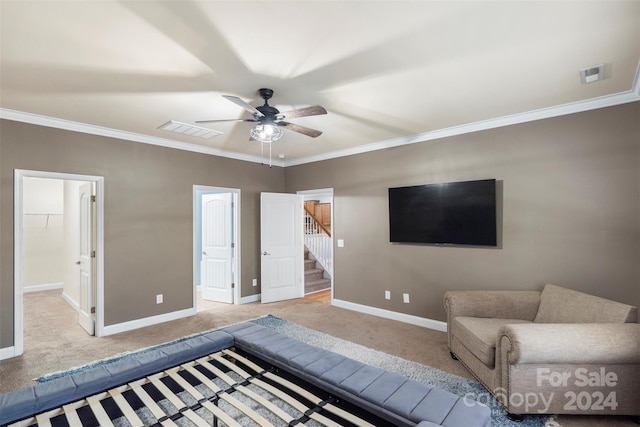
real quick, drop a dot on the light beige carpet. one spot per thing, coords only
(54, 341)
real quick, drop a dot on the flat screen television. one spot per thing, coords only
(453, 213)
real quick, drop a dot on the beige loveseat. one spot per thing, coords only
(557, 351)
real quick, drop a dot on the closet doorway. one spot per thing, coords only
(58, 245)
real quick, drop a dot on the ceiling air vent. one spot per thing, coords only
(592, 74)
(187, 129)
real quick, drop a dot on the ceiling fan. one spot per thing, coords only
(270, 119)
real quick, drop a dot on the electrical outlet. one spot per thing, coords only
(159, 299)
(254, 282)
(405, 298)
(387, 294)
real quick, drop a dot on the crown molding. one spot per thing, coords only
(37, 119)
(529, 116)
(544, 113)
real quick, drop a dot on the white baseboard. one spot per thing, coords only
(71, 301)
(250, 299)
(161, 318)
(43, 287)
(147, 321)
(7, 353)
(393, 315)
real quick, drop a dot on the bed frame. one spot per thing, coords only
(236, 376)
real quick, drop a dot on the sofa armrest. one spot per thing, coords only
(570, 343)
(492, 304)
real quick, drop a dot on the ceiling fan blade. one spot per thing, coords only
(226, 120)
(314, 110)
(300, 129)
(243, 104)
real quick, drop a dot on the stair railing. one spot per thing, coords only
(318, 240)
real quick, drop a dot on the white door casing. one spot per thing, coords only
(217, 248)
(18, 314)
(282, 247)
(86, 258)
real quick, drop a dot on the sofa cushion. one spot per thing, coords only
(561, 305)
(479, 334)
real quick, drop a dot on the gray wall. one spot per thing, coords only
(148, 214)
(569, 212)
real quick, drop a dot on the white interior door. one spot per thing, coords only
(85, 315)
(216, 268)
(282, 250)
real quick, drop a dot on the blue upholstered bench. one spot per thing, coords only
(389, 396)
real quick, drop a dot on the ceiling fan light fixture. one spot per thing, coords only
(266, 133)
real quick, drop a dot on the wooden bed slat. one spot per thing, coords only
(227, 359)
(151, 404)
(242, 389)
(99, 412)
(43, 420)
(126, 409)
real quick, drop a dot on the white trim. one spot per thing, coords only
(147, 321)
(250, 299)
(52, 122)
(529, 116)
(636, 83)
(18, 277)
(7, 353)
(321, 191)
(393, 315)
(72, 303)
(18, 298)
(43, 287)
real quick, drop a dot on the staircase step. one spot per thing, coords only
(317, 285)
(313, 274)
(309, 264)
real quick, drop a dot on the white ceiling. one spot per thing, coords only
(388, 72)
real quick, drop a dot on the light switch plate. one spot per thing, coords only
(340, 243)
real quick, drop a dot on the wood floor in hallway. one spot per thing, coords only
(323, 297)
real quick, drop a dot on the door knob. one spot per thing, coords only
(265, 253)
(204, 252)
(78, 262)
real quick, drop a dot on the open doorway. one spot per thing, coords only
(58, 244)
(289, 233)
(216, 248)
(318, 242)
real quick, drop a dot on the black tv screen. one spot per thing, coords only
(455, 213)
